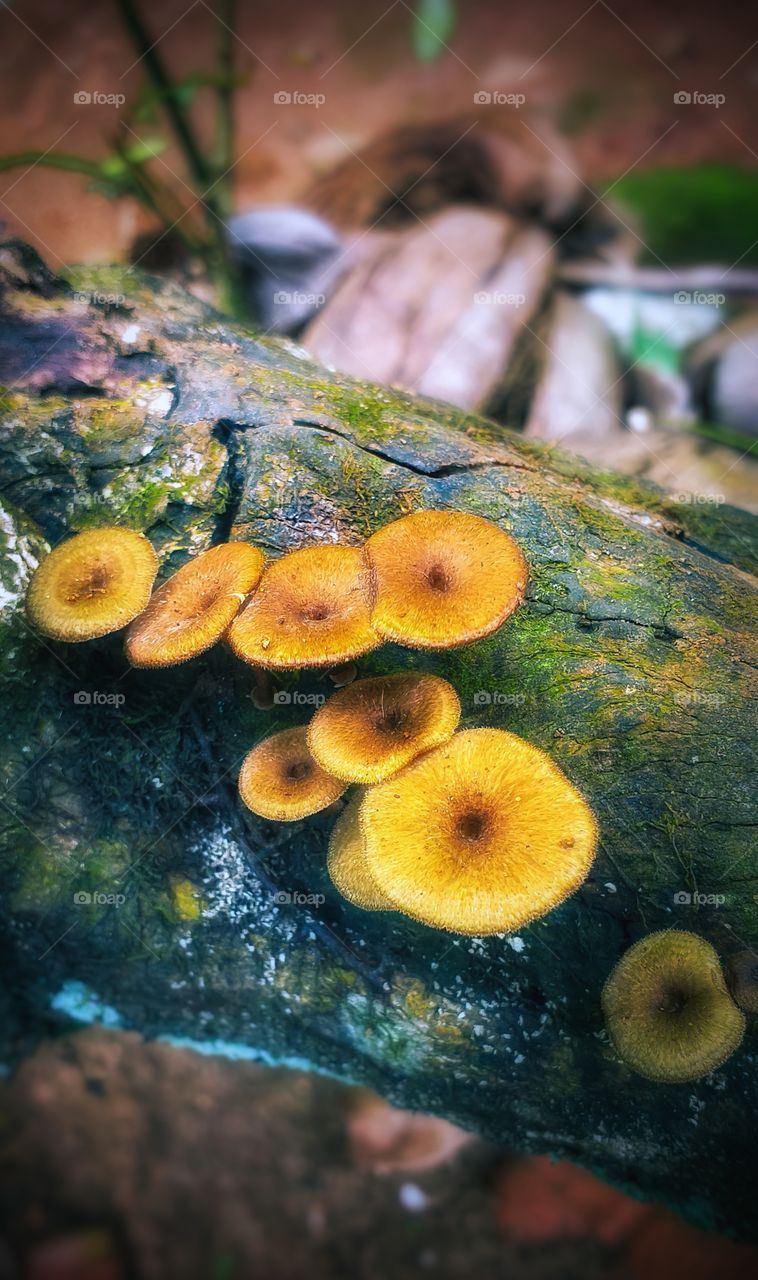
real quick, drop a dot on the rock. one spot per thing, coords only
(735, 382)
(567, 379)
(630, 662)
(723, 371)
(438, 308)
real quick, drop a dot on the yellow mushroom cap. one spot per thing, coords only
(311, 610)
(443, 578)
(194, 607)
(478, 836)
(346, 862)
(667, 1009)
(279, 779)
(371, 729)
(92, 584)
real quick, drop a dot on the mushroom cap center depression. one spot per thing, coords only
(298, 770)
(438, 577)
(472, 824)
(93, 583)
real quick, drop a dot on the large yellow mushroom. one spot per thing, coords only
(92, 584)
(479, 835)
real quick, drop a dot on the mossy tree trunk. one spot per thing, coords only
(135, 891)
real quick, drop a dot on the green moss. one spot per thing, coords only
(692, 215)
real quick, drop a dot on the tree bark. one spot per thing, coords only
(137, 893)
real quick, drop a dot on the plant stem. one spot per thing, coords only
(200, 171)
(225, 104)
(52, 160)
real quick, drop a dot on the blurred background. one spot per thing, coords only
(547, 213)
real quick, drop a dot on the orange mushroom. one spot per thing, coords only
(195, 606)
(443, 578)
(280, 780)
(346, 862)
(370, 729)
(311, 610)
(92, 584)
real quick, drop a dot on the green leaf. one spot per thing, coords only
(433, 25)
(144, 149)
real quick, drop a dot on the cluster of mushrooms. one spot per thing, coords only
(474, 831)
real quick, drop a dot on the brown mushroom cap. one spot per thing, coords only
(346, 862)
(371, 729)
(479, 835)
(742, 979)
(92, 584)
(194, 607)
(280, 780)
(667, 1009)
(443, 578)
(311, 610)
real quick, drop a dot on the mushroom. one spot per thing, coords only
(92, 584)
(311, 610)
(667, 1009)
(280, 780)
(194, 607)
(346, 862)
(742, 979)
(443, 578)
(370, 729)
(479, 835)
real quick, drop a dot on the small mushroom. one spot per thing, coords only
(479, 835)
(311, 610)
(667, 1009)
(371, 729)
(194, 607)
(742, 979)
(443, 578)
(346, 862)
(92, 584)
(280, 780)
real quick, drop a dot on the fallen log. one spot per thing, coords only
(135, 891)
